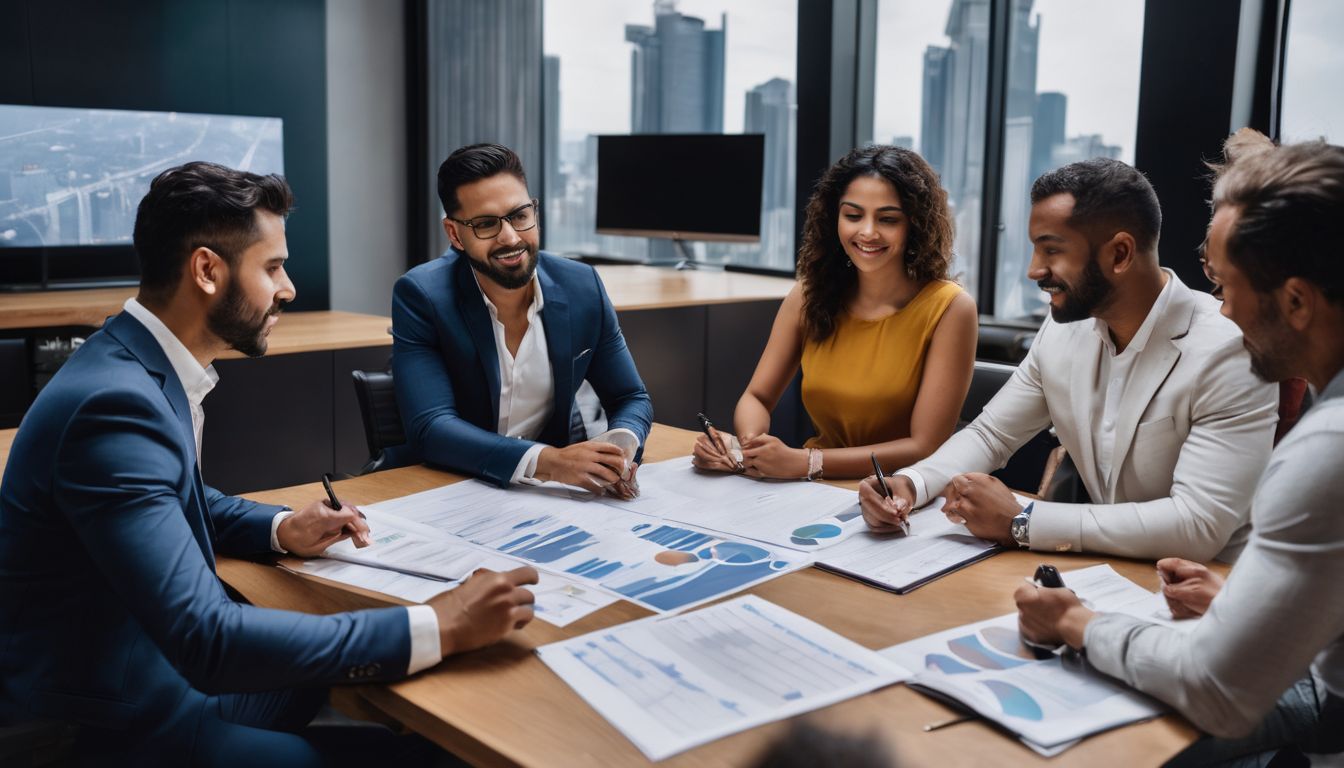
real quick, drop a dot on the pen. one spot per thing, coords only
(707, 425)
(882, 483)
(335, 503)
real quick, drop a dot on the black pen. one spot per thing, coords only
(886, 491)
(335, 503)
(707, 425)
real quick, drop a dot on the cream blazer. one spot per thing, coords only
(1192, 436)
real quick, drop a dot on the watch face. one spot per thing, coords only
(1018, 529)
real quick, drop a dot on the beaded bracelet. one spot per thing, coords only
(813, 463)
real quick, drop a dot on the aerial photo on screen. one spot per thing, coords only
(75, 176)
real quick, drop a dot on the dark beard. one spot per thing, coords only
(1092, 294)
(1272, 357)
(507, 278)
(242, 330)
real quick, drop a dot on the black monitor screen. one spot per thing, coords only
(691, 186)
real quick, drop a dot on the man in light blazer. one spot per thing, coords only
(502, 354)
(1148, 387)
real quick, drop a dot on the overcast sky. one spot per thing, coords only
(1089, 50)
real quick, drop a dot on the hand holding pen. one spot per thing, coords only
(900, 507)
(712, 452)
(358, 530)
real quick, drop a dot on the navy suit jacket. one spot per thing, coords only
(446, 367)
(111, 613)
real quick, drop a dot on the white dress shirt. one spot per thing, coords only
(197, 382)
(1281, 609)
(527, 386)
(1113, 377)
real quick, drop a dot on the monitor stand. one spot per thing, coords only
(687, 259)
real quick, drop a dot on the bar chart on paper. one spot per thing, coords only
(672, 683)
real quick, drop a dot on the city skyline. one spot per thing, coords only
(76, 176)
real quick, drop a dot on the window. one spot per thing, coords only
(1313, 67)
(929, 95)
(1073, 94)
(613, 66)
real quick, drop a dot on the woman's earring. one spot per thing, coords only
(849, 263)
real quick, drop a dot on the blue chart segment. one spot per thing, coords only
(969, 648)
(946, 664)
(808, 535)
(1015, 701)
(1006, 640)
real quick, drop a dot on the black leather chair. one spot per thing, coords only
(382, 419)
(1024, 470)
(16, 382)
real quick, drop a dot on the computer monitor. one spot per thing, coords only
(681, 186)
(71, 180)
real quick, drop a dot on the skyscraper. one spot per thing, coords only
(553, 186)
(1048, 129)
(676, 73)
(769, 110)
(484, 76)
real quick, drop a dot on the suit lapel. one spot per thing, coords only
(476, 318)
(560, 348)
(140, 342)
(1152, 367)
(1083, 390)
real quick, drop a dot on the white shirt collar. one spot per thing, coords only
(196, 381)
(1145, 331)
(537, 300)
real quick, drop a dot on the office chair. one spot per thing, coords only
(16, 383)
(1027, 467)
(382, 419)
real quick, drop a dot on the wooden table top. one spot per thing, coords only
(630, 286)
(502, 706)
(642, 287)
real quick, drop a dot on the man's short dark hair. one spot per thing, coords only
(1108, 197)
(201, 205)
(1291, 216)
(473, 163)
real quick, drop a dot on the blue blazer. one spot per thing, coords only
(446, 367)
(111, 614)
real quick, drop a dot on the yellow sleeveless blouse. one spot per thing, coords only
(859, 385)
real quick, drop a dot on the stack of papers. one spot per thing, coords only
(672, 683)
(1052, 703)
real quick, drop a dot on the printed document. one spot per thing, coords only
(900, 563)
(672, 683)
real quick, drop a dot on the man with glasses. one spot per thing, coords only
(509, 363)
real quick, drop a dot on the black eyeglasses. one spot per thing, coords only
(522, 218)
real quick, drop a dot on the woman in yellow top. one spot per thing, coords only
(885, 340)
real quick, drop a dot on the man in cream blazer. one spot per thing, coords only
(1148, 388)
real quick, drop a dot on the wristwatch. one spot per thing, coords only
(1020, 528)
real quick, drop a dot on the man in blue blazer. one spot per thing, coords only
(111, 615)
(509, 363)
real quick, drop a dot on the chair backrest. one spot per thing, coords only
(16, 382)
(986, 382)
(378, 408)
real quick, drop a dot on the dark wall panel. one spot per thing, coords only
(1185, 100)
(668, 346)
(245, 57)
(736, 337)
(268, 422)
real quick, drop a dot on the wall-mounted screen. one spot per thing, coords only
(71, 179)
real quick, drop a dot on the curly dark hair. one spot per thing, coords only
(827, 282)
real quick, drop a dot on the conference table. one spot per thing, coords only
(501, 706)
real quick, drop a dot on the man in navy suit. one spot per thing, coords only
(111, 615)
(509, 363)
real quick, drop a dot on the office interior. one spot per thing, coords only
(373, 94)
